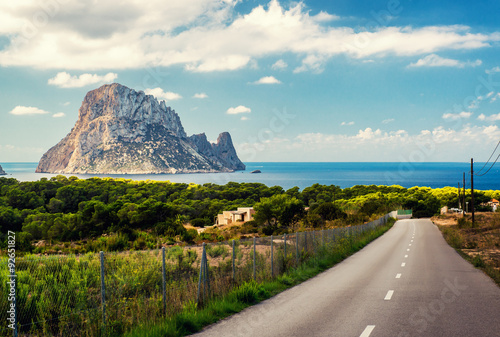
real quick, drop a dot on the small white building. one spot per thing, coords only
(493, 203)
(242, 214)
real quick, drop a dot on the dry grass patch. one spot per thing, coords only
(479, 243)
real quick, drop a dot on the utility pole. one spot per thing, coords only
(459, 201)
(463, 196)
(472, 188)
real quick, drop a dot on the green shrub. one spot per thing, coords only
(208, 236)
(250, 292)
(140, 244)
(201, 222)
(117, 242)
(216, 250)
(464, 223)
(189, 235)
(478, 261)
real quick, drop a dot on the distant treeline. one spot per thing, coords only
(70, 209)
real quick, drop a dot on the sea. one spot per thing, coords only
(305, 174)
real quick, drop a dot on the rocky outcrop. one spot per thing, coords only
(2, 172)
(224, 150)
(221, 153)
(120, 130)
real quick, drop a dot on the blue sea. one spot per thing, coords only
(288, 175)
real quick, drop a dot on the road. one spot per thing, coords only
(408, 282)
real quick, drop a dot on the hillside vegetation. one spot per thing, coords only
(80, 215)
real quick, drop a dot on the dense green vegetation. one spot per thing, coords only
(125, 214)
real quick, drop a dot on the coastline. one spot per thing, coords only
(305, 174)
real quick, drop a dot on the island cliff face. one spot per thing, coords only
(120, 130)
(2, 172)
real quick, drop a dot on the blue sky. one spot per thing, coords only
(344, 80)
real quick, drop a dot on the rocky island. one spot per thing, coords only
(120, 130)
(2, 172)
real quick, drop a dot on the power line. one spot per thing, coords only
(480, 175)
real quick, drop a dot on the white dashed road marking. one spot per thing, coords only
(368, 330)
(389, 295)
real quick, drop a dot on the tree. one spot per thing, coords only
(10, 219)
(328, 211)
(279, 210)
(422, 202)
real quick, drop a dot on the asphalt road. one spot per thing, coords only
(408, 282)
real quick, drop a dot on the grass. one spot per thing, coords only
(192, 318)
(479, 243)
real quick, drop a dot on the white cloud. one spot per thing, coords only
(477, 101)
(59, 115)
(347, 123)
(162, 95)
(325, 17)
(494, 98)
(452, 116)
(434, 60)
(205, 35)
(200, 95)
(493, 70)
(240, 109)
(65, 80)
(438, 144)
(244, 118)
(387, 121)
(267, 80)
(280, 64)
(368, 133)
(66, 103)
(314, 63)
(27, 110)
(491, 118)
(225, 62)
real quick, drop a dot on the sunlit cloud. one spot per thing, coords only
(456, 116)
(65, 80)
(438, 144)
(279, 65)
(162, 95)
(200, 95)
(240, 109)
(267, 80)
(491, 118)
(434, 60)
(209, 35)
(27, 110)
(493, 70)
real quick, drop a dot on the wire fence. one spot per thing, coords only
(106, 294)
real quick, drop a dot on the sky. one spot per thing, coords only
(327, 81)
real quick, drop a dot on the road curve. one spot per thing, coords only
(408, 282)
